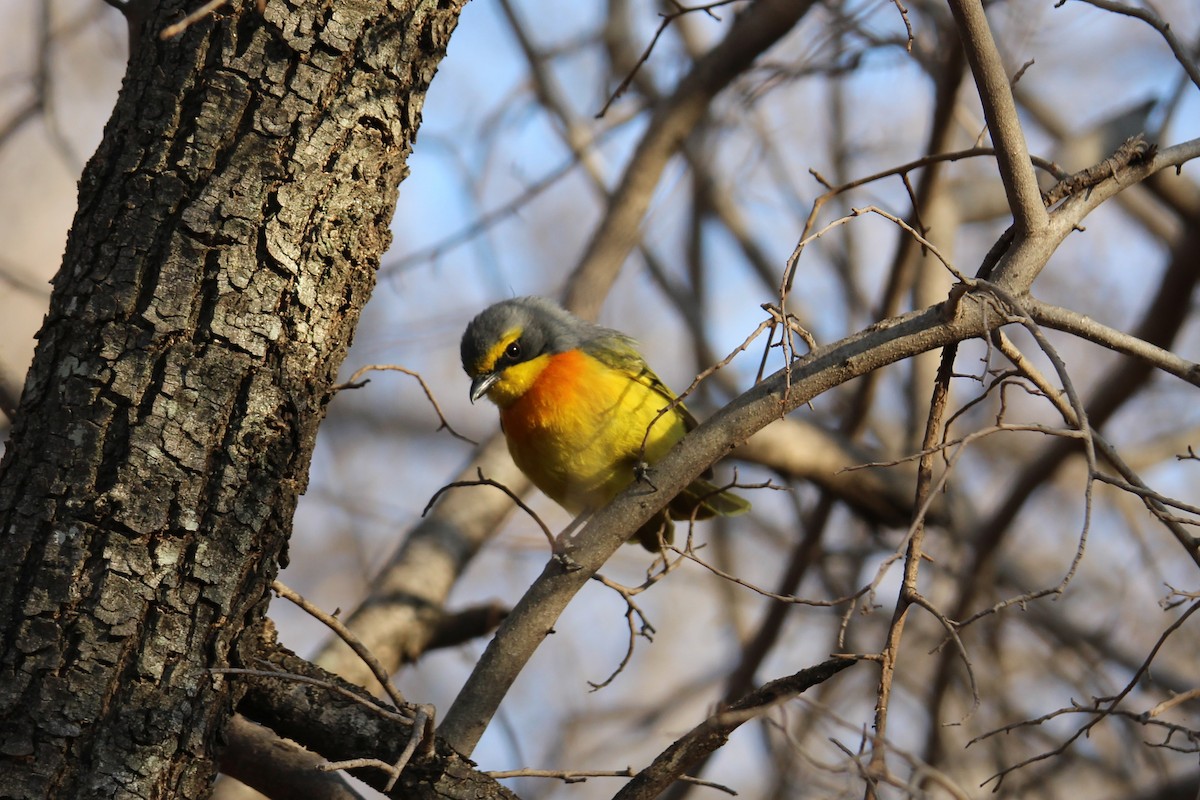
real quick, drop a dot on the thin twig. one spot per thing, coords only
(1174, 700)
(482, 481)
(191, 19)
(346, 635)
(354, 383)
(1076, 417)
(422, 726)
(908, 593)
(375, 706)
(632, 610)
(898, 171)
(1094, 441)
(1147, 15)
(667, 19)
(1099, 713)
(908, 29)
(1142, 491)
(581, 776)
(678, 400)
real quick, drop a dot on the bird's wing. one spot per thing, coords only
(620, 352)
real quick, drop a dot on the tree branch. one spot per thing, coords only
(1027, 256)
(713, 732)
(276, 767)
(330, 723)
(758, 27)
(1083, 326)
(1147, 15)
(534, 616)
(1000, 110)
(856, 355)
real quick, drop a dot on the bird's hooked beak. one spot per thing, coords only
(480, 385)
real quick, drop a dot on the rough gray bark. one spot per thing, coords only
(340, 729)
(228, 232)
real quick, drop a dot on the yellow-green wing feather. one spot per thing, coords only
(701, 498)
(618, 351)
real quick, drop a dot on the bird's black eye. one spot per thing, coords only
(513, 351)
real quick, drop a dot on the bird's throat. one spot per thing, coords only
(516, 380)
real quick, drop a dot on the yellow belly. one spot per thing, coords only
(577, 430)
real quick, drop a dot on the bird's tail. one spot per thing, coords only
(703, 500)
(700, 500)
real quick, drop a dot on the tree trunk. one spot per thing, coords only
(228, 233)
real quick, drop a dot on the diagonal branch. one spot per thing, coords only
(1000, 110)
(535, 614)
(713, 732)
(1147, 15)
(761, 25)
(1148, 353)
(1027, 256)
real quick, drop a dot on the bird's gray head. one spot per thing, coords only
(512, 332)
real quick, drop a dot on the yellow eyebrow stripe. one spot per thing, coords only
(488, 362)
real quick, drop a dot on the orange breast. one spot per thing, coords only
(578, 428)
(557, 390)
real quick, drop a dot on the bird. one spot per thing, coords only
(576, 400)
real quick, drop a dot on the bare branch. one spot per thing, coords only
(260, 759)
(713, 732)
(1101, 710)
(335, 625)
(1064, 319)
(580, 776)
(354, 383)
(633, 613)
(934, 432)
(757, 28)
(995, 91)
(1147, 15)
(207, 9)
(482, 481)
